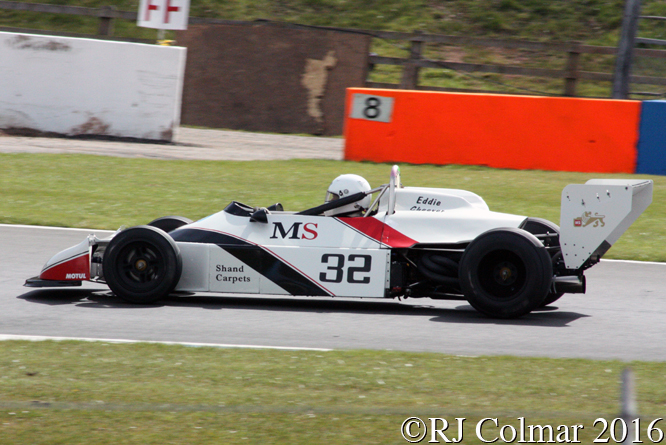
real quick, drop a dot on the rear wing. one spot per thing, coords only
(594, 215)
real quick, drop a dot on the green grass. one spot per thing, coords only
(100, 393)
(533, 19)
(105, 192)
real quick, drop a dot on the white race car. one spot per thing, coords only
(406, 242)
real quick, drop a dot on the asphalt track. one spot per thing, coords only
(621, 316)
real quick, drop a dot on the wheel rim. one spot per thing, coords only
(502, 274)
(140, 264)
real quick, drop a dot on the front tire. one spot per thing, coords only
(505, 273)
(170, 223)
(142, 264)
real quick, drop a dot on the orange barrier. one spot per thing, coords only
(518, 132)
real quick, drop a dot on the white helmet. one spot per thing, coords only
(346, 185)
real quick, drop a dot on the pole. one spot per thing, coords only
(572, 71)
(625, 49)
(629, 409)
(410, 72)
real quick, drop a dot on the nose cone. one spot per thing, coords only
(70, 264)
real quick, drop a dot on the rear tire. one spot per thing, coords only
(169, 223)
(142, 264)
(541, 227)
(551, 298)
(549, 231)
(505, 273)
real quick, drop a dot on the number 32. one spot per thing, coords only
(336, 272)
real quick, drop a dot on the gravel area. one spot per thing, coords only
(190, 143)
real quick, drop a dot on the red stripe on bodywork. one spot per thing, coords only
(379, 231)
(78, 269)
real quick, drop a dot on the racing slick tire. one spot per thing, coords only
(169, 223)
(551, 298)
(142, 264)
(505, 273)
(537, 227)
(544, 228)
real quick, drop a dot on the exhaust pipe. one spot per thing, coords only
(569, 285)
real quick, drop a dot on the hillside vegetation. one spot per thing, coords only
(590, 21)
(595, 22)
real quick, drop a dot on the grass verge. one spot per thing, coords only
(106, 192)
(82, 393)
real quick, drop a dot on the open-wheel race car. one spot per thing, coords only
(387, 242)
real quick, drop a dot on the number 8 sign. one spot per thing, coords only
(372, 108)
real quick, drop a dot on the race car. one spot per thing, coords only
(388, 242)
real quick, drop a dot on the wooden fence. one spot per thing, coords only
(106, 14)
(571, 74)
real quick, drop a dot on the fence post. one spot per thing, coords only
(106, 20)
(410, 71)
(625, 49)
(571, 71)
(628, 399)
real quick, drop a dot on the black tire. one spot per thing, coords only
(551, 298)
(505, 273)
(142, 264)
(169, 223)
(538, 226)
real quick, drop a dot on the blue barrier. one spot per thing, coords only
(652, 138)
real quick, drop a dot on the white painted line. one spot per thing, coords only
(24, 226)
(5, 337)
(633, 262)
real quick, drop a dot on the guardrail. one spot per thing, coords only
(571, 74)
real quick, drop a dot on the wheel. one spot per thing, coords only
(142, 264)
(169, 223)
(544, 229)
(551, 298)
(540, 228)
(505, 273)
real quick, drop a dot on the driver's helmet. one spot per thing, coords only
(346, 185)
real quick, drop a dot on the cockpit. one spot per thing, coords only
(348, 195)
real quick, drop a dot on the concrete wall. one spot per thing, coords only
(74, 86)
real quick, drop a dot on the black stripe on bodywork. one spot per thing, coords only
(206, 237)
(277, 271)
(257, 258)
